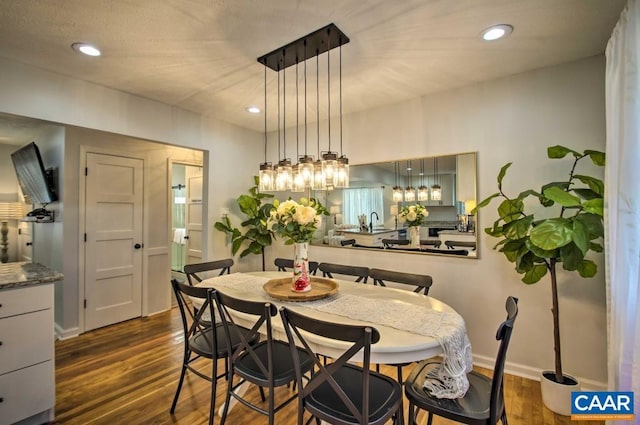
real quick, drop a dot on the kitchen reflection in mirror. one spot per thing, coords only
(378, 208)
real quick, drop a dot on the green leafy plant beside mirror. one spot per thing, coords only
(257, 234)
(572, 228)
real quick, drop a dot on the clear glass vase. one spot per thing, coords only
(414, 236)
(301, 281)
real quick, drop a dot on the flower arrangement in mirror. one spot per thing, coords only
(297, 222)
(414, 216)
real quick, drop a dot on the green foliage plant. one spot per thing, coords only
(573, 226)
(257, 234)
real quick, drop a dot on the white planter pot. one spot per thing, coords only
(557, 397)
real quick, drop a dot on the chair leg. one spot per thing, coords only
(412, 414)
(185, 361)
(262, 397)
(430, 420)
(214, 382)
(503, 418)
(400, 374)
(227, 399)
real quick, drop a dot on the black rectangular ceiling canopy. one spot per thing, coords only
(304, 48)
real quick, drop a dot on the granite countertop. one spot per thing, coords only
(19, 274)
(455, 232)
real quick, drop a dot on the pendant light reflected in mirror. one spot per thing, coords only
(423, 191)
(436, 190)
(410, 191)
(397, 190)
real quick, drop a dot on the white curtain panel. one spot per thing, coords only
(622, 204)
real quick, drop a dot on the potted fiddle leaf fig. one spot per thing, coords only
(257, 235)
(538, 240)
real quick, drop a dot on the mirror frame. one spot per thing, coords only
(461, 186)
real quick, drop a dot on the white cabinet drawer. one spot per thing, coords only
(26, 392)
(25, 299)
(25, 340)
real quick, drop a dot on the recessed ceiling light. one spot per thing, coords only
(253, 110)
(496, 32)
(86, 48)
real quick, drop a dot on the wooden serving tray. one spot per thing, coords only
(281, 289)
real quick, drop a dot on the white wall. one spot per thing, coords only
(511, 119)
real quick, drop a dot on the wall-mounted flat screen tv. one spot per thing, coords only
(36, 183)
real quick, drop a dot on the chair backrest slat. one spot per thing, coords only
(286, 264)
(192, 322)
(192, 270)
(329, 269)
(422, 282)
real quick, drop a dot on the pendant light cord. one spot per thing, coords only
(329, 85)
(305, 99)
(341, 152)
(297, 112)
(265, 114)
(284, 106)
(279, 137)
(318, 99)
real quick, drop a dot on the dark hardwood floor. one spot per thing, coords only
(127, 374)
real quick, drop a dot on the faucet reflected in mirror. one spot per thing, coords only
(371, 220)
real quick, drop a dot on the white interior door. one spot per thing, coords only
(113, 248)
(193, 180)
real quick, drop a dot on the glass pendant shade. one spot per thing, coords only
(397, 194)
(319, 181)
(342, 172)
(329, 168)
(297, 184)
(423, 193)
(305, 168)
(436, 192)
(284, 175)
(267, 177)
(409, 194)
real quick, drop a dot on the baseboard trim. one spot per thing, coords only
(63, 334)
(534, 373)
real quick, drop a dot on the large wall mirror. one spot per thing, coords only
(368, 214)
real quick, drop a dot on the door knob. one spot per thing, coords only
(186, 237)
(137, 246)
(29, 243)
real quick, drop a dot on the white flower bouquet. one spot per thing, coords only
(413, 215)
(296, 222)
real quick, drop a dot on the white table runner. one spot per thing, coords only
(448, 380)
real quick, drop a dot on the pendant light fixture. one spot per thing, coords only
(305, 162)
(397, 190)
(409, 192)
(319, 181)
(284, 177)
(342, 174)
(329, 169)
(298, 184)
(266, 176)
(423, 191)
(436, 190)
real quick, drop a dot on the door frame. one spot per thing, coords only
(84, 150)
(205, 200)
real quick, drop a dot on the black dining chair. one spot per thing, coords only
(202, 340)
(421, 282)
(348, 242)
(267, 364)
(192, 270)
(340, 392)
(431, 242)
(483, 404)
(286, 264)
(462, 252)
(329, 269)
(395, 242)
(458, 244)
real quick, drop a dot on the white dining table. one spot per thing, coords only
(395, 345)
(374, 306)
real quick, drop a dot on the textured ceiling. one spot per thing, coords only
(200, 55)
